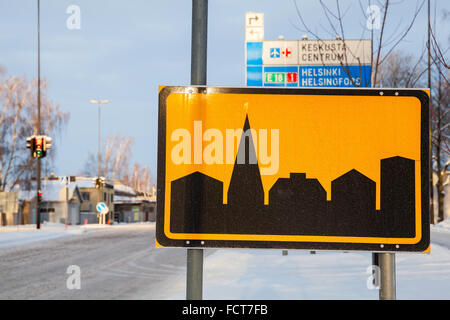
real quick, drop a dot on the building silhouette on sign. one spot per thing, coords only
(398, 196)
(297, 205)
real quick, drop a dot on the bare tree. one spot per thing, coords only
(115, 164)
(402, 70)
(440, 135)
(383, 44)
(18, 119)
(392, 68)
(139, 179)
(439, 72)
(114, 161)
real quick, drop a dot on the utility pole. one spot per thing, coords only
(38, 159)
(99, 184)
(431, 107)
(66, 184)
(194, 273)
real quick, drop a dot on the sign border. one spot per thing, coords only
(422, 245)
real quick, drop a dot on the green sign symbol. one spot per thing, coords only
(274, 77)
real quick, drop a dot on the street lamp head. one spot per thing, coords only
(99, 102)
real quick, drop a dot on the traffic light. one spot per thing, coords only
(39, 198)
(99, 182)
(31, 144)
(39, 145)
(47, 143)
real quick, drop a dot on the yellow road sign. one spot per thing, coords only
(335, 169)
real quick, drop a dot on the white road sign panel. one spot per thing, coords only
(334, 52)
(254, 19)
(64, 180)
(280, 52)
(317, 52)
(255, 34)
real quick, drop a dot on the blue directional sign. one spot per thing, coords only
(303, 63)
(101, 207)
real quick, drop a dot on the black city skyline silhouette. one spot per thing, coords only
(297, 205)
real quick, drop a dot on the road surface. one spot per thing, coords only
(119, 262)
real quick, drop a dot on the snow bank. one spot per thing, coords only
(24, 234)
(443, 226)
(29, 236)
(267, 274)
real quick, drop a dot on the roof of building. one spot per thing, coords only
(26, 195)
(53, 190)
(125, 199)
(121, 188)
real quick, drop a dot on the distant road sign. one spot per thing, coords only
(102, 208)
(317, 52)
(254, 26)
(64, 180)
(333, 169)
(327, 63)
(315, 63)
(254, 19)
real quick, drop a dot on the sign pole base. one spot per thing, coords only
(387, 276)
(194, 274)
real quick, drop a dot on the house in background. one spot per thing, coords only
(27, 206)
(92, 196)
(132, 206)
(9, 208)
(74, 201)
(60, 202)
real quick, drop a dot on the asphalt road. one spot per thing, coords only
(118, 262)
(115, 263)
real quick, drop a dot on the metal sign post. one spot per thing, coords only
(387, 276)
(65, 180)
(194, 272)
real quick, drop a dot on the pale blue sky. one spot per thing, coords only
(126, 49)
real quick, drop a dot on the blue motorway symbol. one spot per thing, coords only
(274, 52)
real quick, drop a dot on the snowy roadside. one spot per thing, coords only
(25, 234)
(440, 233)
(239, 274)
(266, 274)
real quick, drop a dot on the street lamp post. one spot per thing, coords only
(99, 103)
(38, 159)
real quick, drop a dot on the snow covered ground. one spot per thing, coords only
(116, 262)
(267, 274)
(121, 262)
(23, 234)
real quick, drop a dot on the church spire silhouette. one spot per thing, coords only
(245, 184)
